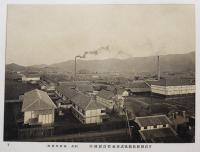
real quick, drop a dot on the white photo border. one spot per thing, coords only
(51, 146)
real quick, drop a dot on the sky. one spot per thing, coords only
(47, 34)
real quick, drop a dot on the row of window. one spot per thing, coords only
(155, 126)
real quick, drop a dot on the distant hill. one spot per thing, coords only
(38, 66)
(171, 63)
(15, 67)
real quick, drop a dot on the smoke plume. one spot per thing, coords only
(95, 52)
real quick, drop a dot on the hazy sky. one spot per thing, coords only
(46, 34)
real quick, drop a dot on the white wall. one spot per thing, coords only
(24, 78)
(173, 90)
(43, 119)
(27, 116)
(46, 119)
(90, 116)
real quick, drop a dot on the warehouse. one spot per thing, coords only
(173, 87)
(38, 108)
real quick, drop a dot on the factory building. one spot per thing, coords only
(156, 129)
(87, 110)
(38, 108)
(173, 87)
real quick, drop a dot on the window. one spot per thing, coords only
(145, 127)
(103, 111)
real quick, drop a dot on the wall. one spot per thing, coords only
(89, 116)
(93, 116)
(42, 118)
(173, 90)
(30, 78)
(107, 103)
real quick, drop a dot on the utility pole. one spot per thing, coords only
(127, 119)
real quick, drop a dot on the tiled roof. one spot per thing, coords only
(37, 100)
(159, 135)
(173, 82)
(86, 102)
(66, 91)
(152, 120)
(106, 94)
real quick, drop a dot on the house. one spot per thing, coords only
(66, 94)
(156, 128)
(38, 108)
(106, 98)
(87, 110)
(32, 78)
(173, 87)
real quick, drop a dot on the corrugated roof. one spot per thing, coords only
(66, 91)
(173, 82)
(86, 102)
(106, 94)
(37, 100)
(152, 120)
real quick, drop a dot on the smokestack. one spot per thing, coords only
(158, 68)
(75, 68)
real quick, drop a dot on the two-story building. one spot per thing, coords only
(87, 110)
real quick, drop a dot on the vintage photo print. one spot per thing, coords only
(102, 76)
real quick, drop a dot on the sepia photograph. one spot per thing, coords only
(109, 73)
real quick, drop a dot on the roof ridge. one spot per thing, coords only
(39, 95)
(91, 100)
(151, 116)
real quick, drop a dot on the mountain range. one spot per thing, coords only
(168, 63)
